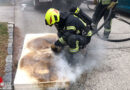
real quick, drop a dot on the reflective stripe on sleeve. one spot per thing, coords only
(71, 28)
(62, 40)
(74, 50)
(77, 11)
(81, 21)
(89, 33)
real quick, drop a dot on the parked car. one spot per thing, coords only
(59, 3)
(124, 5)
(38, 2)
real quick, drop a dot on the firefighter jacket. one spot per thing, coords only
(107, 2)
(71, 25)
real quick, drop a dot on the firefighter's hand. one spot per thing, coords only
(55, 48)
(111, 5)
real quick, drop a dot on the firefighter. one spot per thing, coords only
(72, 30)
(102, 9)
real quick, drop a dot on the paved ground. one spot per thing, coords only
(6, 11)
(114, 71)
(25, 12)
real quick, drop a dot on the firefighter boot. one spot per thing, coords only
(106, 34)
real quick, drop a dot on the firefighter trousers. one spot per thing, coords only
(83, 41)
(102, 11)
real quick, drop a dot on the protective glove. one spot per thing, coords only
(58, 44)
(55, 48)
(111, 5)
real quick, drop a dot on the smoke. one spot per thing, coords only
(71, 67)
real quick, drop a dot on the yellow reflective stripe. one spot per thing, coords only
(111, 22)
(89, 33)
(73, 50)
(81, 21)
(61, 40)
(71, 28)
(117, 1)
(78, 31)
(107, 30)
(77, 11)
(106, 2)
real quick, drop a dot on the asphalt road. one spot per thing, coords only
(30, 20)
(114, 70)
(34, 18)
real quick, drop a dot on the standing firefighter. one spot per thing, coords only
(72, 30)
(102, 9)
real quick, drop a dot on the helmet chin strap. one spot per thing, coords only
(51, 25)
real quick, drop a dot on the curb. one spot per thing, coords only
(9, 59)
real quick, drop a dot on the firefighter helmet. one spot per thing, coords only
(52, 16)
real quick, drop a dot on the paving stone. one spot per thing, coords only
(10, 40)
(7, 86)
(10, 37)
(10, 29)
(9, 59)
(10, 33)
(10, 45)
(10, 25)
(8, 77)
(8, 67)
(10, 50)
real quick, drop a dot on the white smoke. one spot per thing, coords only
(82, 62)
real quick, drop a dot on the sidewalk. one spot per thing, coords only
(6, 13)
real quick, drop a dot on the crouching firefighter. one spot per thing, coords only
(102, 10)
(73, 31)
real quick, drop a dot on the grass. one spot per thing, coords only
(3, 46)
